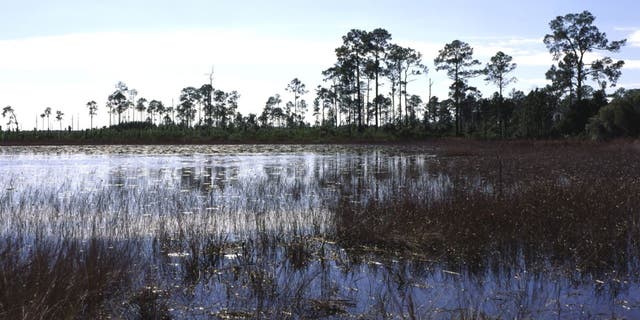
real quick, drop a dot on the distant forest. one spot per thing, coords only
(351, 102)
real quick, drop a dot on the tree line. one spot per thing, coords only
(367, 89)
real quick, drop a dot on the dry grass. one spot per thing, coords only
(63, 279)
(562, 202)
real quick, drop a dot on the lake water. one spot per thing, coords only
(250, 231)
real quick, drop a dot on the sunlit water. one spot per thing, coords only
(248, 202)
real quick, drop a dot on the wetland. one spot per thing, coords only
(455, 229)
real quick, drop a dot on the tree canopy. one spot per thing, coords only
(573, 36)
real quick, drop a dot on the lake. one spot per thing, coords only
(366, 231)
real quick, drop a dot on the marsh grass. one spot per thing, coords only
(528, 230)
(62, 279)
(571, 205)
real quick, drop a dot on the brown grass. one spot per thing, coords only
(571, 203)
(61, 280)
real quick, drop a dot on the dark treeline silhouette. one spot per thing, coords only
(351, 102)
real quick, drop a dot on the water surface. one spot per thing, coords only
(249, 231)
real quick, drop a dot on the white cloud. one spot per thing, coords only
(66, 71)
(541, 59)
(525, 51)
(122, 50)
(625, 28)
(628, 85)
(631, 64)
(532, 83)
(634, 38)
(429, 50)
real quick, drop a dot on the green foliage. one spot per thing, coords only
(457, 60)
(533, 115)
(620, 118)
(576, 118)
(187, 107)
(348, 101)
(138, 125)
(497, 70)
(9, 112)
(118, 101)
(572, 37)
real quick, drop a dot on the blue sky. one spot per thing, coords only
(61, 54)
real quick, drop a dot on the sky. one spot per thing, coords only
(62, 54)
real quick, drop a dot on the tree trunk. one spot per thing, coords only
(579, 85)
(500, 111)
(393, 101)
(366, 113)
(457, 99)
(358, 98)
(406, 105)
(377, 107)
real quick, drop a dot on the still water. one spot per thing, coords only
(249, 231)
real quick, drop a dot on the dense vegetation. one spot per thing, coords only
(351, 105)
(559, 200)
(488, 230)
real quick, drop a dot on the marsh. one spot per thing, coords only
(471, 230)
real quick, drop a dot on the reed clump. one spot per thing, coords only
(64, 278)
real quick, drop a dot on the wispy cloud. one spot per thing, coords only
(625, 28)
(634, 38)
(629, 85)
(66, 71)
(121, 50)
(525, 51)
(632, 64)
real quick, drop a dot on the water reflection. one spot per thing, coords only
(250, 233)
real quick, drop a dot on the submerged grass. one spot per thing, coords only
(518, 226)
